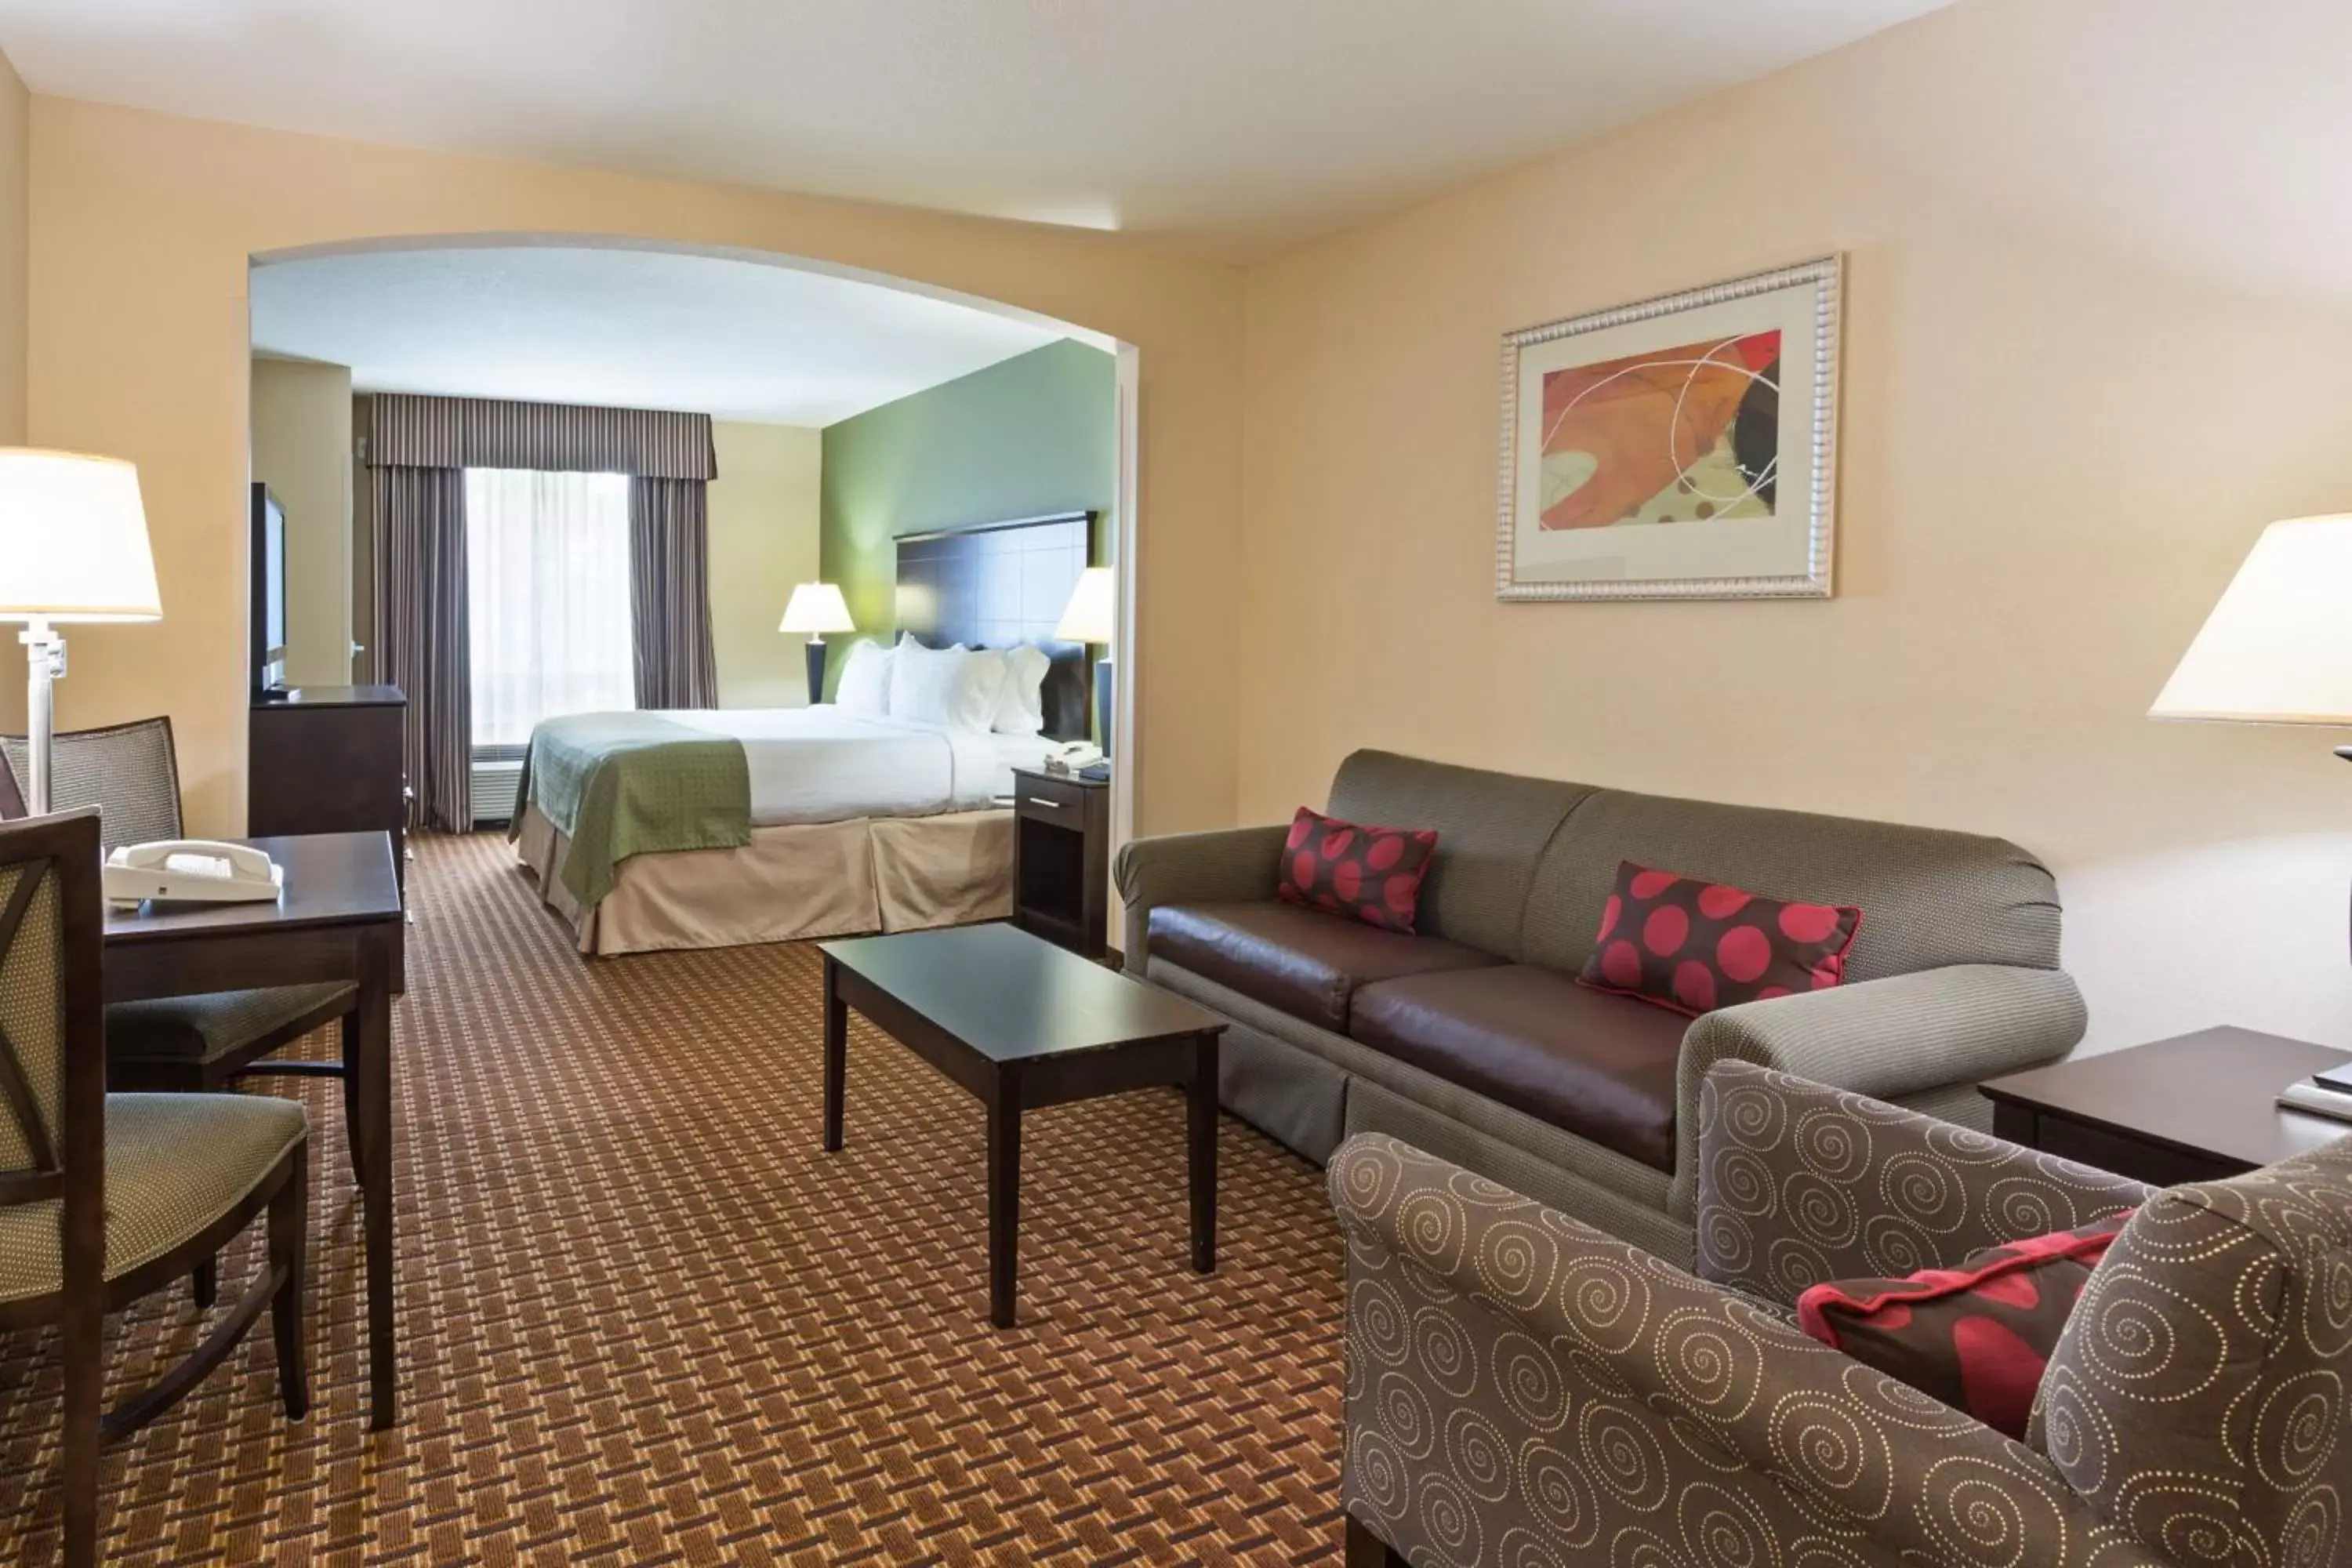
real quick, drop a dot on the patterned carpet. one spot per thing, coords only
(645, 1321)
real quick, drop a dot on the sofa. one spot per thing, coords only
(1524, 1389)
(1471, 1038)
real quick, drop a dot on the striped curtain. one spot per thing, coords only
(421, 635)
(669, 593)
(417, 432)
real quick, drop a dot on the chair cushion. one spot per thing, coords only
(1977, 1337)
(174, 1164)
(202, 1028)
(1304, 963)
(1600, 1067)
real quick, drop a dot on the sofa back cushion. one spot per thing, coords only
(1928, 898)
(2198, 1397)
(1491, 832)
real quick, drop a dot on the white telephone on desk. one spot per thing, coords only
(190, 871)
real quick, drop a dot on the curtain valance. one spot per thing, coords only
(410, 431)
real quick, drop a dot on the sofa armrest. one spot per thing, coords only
(1226, 866)
(1514, 1373)
(1799, 1183)
(1890, 1037)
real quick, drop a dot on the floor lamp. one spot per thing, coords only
(2277, 649)
(73, 547)
(816, 608)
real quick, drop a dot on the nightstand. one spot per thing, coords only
(1061, 859)
(2194, 1108)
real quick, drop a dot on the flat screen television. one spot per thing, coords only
(268, 599)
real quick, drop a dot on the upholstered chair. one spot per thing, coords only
(131, 772)
(107, 1198)
(1524, 1390)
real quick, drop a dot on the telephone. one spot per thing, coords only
(1069, 756)
(192, 871)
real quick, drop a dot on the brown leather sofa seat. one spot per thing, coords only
(1599, 1065)
(1301, 961)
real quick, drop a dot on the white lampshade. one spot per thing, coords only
(2277, 650)
(1093, 609)
(73, 540)
(817, 607)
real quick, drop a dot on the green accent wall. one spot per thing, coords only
(1028, 435)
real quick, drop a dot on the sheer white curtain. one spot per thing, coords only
(547, 556)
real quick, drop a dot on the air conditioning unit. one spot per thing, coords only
(496, 779)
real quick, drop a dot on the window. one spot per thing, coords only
(546, 557)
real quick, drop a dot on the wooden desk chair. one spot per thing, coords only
(107, 1198)
(131, 772)
(196, 1044)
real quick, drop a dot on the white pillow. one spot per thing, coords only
(990, 673)
(1020, 710)
(943, 686)
(864, 685)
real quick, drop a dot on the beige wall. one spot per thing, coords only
(141, 229)
(2100, 332)
(302, 451)
(16, 155)
(763, 539)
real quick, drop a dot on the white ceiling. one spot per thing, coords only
(624, 329)
(1235, 125)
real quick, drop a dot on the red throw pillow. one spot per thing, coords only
(1977, 1337)
(1695, 946)
(1344, 869)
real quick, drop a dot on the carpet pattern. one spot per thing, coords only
(645, 1321)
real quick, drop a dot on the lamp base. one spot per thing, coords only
(45, 661)
(1103, 685)
(816, 670)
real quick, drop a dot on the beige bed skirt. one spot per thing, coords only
(789, 884)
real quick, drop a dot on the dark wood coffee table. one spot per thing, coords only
(1023, 1023)
(2194, 1108)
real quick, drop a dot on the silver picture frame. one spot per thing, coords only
(1815, 577)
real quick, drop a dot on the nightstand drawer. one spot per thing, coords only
(1049, 799)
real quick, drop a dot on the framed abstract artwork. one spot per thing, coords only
(1683, 447)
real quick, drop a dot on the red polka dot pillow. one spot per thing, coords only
(1695, 946)
(1344, 869)
(1977, 1337)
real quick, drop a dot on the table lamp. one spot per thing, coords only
(73, 547)
(2277, 649)
(1091, 616)
(816, 608)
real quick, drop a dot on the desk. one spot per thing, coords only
(338, 919)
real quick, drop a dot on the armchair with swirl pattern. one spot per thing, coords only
(1523, 1390)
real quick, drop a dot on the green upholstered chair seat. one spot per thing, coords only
(200, 1028)
(174, 1164)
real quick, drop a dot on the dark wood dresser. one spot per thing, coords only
(327, 759)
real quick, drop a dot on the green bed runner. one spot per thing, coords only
(617, 784)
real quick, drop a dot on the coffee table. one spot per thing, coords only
(1022, 1024)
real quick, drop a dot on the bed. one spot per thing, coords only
(716, 827)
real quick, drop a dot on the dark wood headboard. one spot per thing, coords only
(996, 584)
